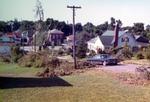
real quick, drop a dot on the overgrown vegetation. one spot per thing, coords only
(16, 53)
(52, 66)
(124, 53)
(143, 54)
(6, 59)
(139, 55)
(81, 49)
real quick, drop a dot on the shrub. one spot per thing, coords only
(60, 52)
(92, 53)
(127, 53)
(39, 60)
(5, 59)
(139, 55)
(69, 51)
(124, 53)
(33, 60)
(147, 53)
(54, 62)
(81, 49)
(16, 53)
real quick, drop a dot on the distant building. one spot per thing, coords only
(95, 44)
(55, 37)
(6, 41)
(106, 41)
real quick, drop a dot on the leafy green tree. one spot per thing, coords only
(78, 27)
(50, 23)
(89, 27)
(27, 25)
(81, 49)
(148, 31)
(112, 24)
(101, 28)
(138, 28)
(16, 25)
(3, 26)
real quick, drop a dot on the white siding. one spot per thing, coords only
(95, 45)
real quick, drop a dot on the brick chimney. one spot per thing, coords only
(116, 33)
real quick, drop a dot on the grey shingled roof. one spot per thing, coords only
(111, 33)
(107, 40)
(141, 39)
(107, 37)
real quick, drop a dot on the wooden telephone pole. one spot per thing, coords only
(73, 31)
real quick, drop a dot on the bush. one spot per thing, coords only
(147, 54)
(69, 51)
(139, 55)
(92, 53)
(81, 49)
(39, 60)
(5, 59)
(54, 62)
(60, 52)
(16, 53)
(33, 60)
(124, 53)
(127, 53)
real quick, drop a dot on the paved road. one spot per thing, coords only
(129, 68)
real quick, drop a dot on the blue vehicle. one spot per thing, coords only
(103, 59)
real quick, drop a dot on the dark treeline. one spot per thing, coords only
(91, 29)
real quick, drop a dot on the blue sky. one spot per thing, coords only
(95, 11)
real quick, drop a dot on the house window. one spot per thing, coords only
(125, 39)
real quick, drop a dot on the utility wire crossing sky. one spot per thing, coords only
(94, 11)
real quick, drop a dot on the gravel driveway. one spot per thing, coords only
(128, 68)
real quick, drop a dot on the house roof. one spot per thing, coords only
(107, 40)
(55, 31)
(142, 44)
(107, 37)
(140, 38)
(111, 33)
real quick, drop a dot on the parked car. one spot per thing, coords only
(103, 59)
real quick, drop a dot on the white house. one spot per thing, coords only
(95, 44)
(106, 41)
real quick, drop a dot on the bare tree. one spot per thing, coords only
(39, 12)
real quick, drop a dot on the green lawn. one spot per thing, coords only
(16, 70)
(91, 86)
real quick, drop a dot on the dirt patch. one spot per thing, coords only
(138, 62)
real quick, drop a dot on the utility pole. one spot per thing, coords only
(73, 31)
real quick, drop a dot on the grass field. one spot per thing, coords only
(14, 69)
(91, 86)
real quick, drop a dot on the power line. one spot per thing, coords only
(73, 31)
